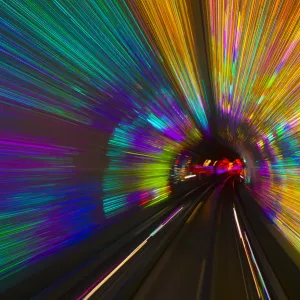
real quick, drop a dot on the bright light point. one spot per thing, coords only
(190, 176)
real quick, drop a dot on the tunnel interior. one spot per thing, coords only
(102, 101)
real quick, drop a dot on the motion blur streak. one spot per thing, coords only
(64, 77)
(107, 111)
(247, 254)
(169, 28)
(257, 268)
(91, 293)
(255, 60)
(190, 176)
(102, 282)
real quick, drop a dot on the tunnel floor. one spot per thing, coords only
(206, 260)
(206, 257)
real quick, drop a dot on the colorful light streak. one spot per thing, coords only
(254, 61)
(38, 199)
(71, 70)
(252, 262)
(97, 99)
(141, 163)
(115, 270)
(257, 268)
(169, 29)
(91, 291)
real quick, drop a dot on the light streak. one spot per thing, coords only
(92, 291)
(246, 252)
(190, 176)
(165, 222)
(172, 216)
(191, 217)
(254, 61)
(257, 268)
(169, 29)
(92, 120)
(237, 223)
(96, 288)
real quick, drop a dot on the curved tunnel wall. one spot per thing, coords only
(97, 100)
(254, 63)
(90, 125)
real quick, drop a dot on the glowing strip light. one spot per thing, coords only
(103, 281)
(190, 176)
(138, 87)
(253, 56)
(165, 222)
(247, 255)
(172, 216)
(83, 68)
(253, 259)
(96, 288)
(169, 29)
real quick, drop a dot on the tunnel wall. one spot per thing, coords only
(98, 99)
(253, 53)
(91, 122)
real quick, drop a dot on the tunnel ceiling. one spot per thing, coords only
(215, 149)
(98, 98)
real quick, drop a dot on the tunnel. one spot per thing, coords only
(150, 149)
